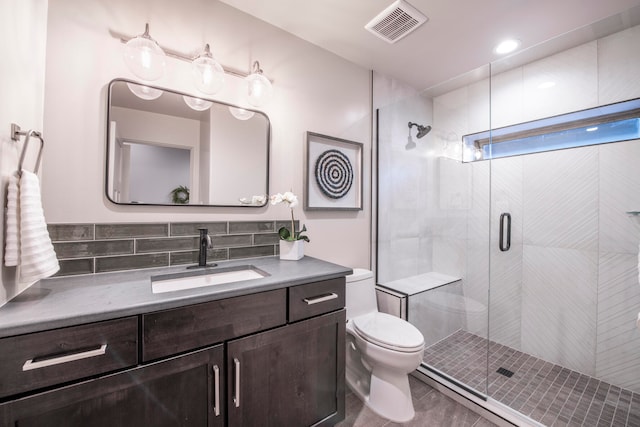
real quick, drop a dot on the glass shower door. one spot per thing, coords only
(433, 229)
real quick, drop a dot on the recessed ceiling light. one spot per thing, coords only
(506, 46)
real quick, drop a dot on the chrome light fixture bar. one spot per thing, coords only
(124, 38)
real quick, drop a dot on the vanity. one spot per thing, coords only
(104, 350)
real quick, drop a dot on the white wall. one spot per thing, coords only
(313, 91)
(23, 28)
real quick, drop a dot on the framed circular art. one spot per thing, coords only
(333, 176)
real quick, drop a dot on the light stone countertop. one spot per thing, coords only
(72, 300)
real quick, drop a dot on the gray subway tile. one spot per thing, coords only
(131, 262)
(250, 227)
(93, 248)
(251, 252)
(266, 239)
(191, 228)
(66, 232)
(118, 231)
(166, 244)
(191, 257)
(231, 240)
(70, 267)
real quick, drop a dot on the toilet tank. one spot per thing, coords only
(360, 293)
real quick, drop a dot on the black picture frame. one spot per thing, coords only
(333, 173)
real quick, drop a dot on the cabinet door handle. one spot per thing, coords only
(236, 392)
(58, 360)
(216, 390)
(321, 298)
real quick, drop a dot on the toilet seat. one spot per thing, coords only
(389, 332)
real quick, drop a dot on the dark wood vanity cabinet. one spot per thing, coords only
(289, 376)
(175, 392)
(274, 358)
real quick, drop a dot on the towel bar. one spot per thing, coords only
(16, 132)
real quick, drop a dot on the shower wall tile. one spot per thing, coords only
(479, 112)
(559, 302)
(507, 194)
(449, 255)
(618, 339)
(619, 193)
(561, 199)
(506, 295)
(575, 74)
(506, 98)
(618, 70)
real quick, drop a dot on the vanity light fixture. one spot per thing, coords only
(259, 88)
(197, 103)
(507, 46)
(144, 56)
(146, 59)
(241, 113)
(144, 92)
(208, 74)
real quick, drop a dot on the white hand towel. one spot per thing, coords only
(37, 256)
(12, 246)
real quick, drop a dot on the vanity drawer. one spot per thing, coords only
(186, 328)
(316, 298)
(32, 361)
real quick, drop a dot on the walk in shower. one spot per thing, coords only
(520, 265)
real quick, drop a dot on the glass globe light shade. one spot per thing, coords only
(197, 103)
(145, 92)
(241, 113)
(208, 74)
(144, 57)
(259, 88)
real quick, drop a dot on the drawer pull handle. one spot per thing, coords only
(236, 393)
(216, 386)
(321, 298)
(37, 364)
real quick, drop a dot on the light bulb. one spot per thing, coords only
(208, 74)
(241, 113)
(259, 88)
(144, 57)
(197, 103)
(144, 92)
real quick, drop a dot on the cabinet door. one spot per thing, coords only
(289, 376)
(175, 392)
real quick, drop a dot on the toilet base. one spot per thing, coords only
(390, 397)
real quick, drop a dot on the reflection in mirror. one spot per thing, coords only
(169, 148)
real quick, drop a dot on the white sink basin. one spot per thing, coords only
(204, 277)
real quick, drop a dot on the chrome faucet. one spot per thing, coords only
(204, 244)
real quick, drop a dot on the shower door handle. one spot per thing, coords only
(505, 220)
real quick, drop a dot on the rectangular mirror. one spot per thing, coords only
(169, 148)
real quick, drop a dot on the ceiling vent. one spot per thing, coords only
(396, 21)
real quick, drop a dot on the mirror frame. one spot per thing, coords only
(108, 136)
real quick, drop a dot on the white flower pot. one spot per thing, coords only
(291, 250)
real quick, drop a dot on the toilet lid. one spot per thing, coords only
(389, 332)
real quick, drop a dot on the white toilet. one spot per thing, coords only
(381, 351)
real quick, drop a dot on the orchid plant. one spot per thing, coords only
(292, 201)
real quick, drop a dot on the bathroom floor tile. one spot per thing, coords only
(548, 393)
(433, 409)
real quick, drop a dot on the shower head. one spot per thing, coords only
(422, 130)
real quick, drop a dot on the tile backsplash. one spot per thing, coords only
(99, 248)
